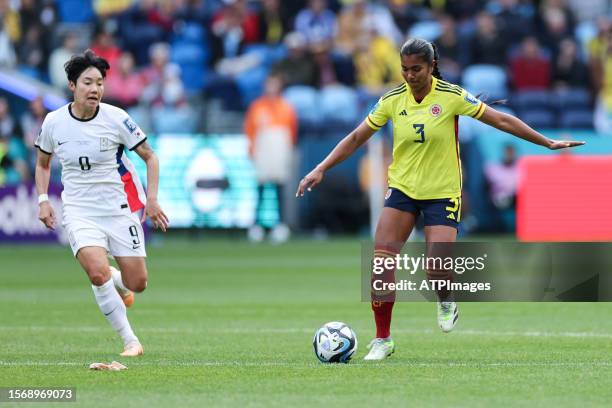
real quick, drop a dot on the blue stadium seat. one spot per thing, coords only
(488, 79)
(428, 30)
(268, 54)
(538, 118)
(576, 119)
(305, 102)
(250, 83)
(339, 103)
(524, 100)
(573, 98)
(191, 57)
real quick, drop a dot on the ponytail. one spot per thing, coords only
(436, 58)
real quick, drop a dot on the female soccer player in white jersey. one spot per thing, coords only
(425, 175)
(102, 193)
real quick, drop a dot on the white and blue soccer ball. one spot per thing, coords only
(335, 342)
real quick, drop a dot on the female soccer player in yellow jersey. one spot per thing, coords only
(425, 175)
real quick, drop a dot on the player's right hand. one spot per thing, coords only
(46, 214)
(309, 181)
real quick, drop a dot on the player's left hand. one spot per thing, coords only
(562, 144)
(156, 214)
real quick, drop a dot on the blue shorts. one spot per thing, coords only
(443, 211)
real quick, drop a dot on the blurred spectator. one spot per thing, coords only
(193, 11)
(235, 24)
(7, 124)
(31, 121)
(32, 53)
(10, 21)
(125, 86)
(377, 64)
(316, 22)
(359, 18)
(156, 73)
(103, 44)
(462, 10)
(503, 179)
(530, 69)
(271, 127)
(569, 71)
(515, 18)
(326, 69)
(141, 26)
(58, 58)
(105, 8)
(233, 27)
(488, 46)
(7, 52)
(600, 60)
(405, 13)
(170, 111)
(297, 68)
(449, 50)
(273, 22)
(556, 22)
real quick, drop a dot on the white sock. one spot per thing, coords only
(118, 280)
(114, 310)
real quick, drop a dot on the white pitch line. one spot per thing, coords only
(290, 330)
(310, 365)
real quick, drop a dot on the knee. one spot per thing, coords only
(98, 276)
(137, 285)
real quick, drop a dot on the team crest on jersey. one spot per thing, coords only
(389, 191)
(435, 110)
(130, 125)
(105, 144)
(471, 99)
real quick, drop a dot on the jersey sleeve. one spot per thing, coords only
(44, 141)
(130, 133)
(468, 105)
(379, 115)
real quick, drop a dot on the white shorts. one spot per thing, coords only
(120, 235)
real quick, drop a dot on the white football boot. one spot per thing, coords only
(448, 313)
(380, 349)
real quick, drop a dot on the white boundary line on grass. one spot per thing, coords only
(288, 330)
(307, 365)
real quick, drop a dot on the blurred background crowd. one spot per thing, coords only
(297, 75)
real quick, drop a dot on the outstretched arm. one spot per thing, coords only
(343, 150)
(518, 128)
(152, 209)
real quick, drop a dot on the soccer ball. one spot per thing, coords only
(335, 342)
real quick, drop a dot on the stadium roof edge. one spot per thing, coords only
(28, 88)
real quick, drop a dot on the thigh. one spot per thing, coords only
(394, 227)
(125, 236)
(94, 261)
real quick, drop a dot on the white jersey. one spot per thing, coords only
(97, 176)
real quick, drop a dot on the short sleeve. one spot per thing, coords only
(130, 133)
(469, 105)
(44, 141)
(379, 115)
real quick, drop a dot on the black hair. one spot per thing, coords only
(426, 50)
(80, 62)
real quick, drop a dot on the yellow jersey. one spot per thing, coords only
(426, 163)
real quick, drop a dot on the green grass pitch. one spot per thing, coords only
(230, 324)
